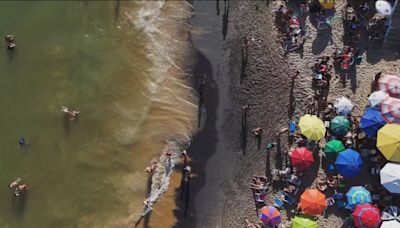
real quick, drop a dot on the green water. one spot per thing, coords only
(81, 173)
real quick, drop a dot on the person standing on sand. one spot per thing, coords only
(295, 75)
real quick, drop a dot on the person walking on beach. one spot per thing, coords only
(17, 188)
(72, 115)
(10, 41)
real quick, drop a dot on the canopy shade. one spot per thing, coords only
(302, 158)
(343, 106)
(333, 148)
(383, 7)
(303, 222)
(390, 110)
(340, 125)
(270, 216)
(376, 98)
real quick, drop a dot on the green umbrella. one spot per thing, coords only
(340, 125)
(333, 147)
(303, 222)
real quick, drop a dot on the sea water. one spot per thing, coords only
(123, 65)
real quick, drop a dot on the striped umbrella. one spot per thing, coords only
(390, 109)
(390, 217)
(270, 216)
(390, 84)
(358, 195)
(367, 216)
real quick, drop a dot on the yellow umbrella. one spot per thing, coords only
(327, 4)
(389, 142)
(312, 127)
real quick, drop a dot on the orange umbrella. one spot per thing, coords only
(312, 202)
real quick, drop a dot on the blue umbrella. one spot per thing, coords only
(358, 195)
(371, 122)
(349, 163)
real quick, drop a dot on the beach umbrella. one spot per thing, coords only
(312, 127)
(333, 148)
(390, 177)
(377, 97)
(390, 224)
(358, 195)
(367, 216)
(327, 4)
(390, 84)
(371, 122)
(302, 158)
(312, 202)
(389, 142)
(383, 7)
(391, 217)
(303, 222)
(270, 216)
(343, 106)
(390, 110)
(348, 163)
(340, 125)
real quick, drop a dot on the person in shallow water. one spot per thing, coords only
(70, 114)
(17, 188)
(22, 141)
(10, 41)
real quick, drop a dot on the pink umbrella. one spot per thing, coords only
(390, 84)
(390, 109)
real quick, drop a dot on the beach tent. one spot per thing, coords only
(391, 217)
(327, 4)
(390, 177)
(383, 7)
(312, 202)
(390, 110)
(343, 106)
(390, 84)
(358, 195)
(302, 158)
(270, 216)
(376, 98)
(303, 222)
(389, 142)
(312, 127)
(333, 148)
(348, 163)
(366, 216)
(371, 122)
(340, 125)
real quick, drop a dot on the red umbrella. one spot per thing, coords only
(367, 216)
(302, 158)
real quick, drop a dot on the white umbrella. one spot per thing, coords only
(383, 7)
(343, 106)
(390, 177)
(390, 224)
(377, 97)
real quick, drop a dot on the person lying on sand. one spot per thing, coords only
(251, 225)
(71, 114)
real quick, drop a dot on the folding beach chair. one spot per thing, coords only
(288, 198)
(278, 202)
